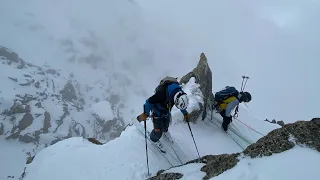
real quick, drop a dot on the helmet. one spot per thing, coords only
(245, 97)
(181, 100)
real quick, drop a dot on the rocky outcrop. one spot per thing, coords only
(279, 140)
(301, 133)
(11, 57)
(281, 123)
(68, 92)
(94, 141)
(168, 176)
(47, 122)
(217, 164)
(1, 129)
(203, 75)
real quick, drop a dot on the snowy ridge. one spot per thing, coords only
(113, 157)
(127, 154)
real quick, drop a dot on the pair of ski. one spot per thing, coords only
(174, 160)
(233, 134)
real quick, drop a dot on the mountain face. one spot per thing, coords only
(42, 105)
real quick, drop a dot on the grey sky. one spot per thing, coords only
(274, 42)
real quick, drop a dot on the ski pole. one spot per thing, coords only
(242, 83)
(193, 139)
(145, 137)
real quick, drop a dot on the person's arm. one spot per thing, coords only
(230, 107)
(158, 97)
(184, 112)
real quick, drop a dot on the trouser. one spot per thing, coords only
(226, 120)
(160, 125)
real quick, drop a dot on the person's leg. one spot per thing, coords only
(226, 120)
(157, 131)
(166, 124)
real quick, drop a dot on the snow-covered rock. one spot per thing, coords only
(42, 105)
(203, 75)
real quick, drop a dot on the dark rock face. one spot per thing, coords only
(47, 122)
(94, 141)
(167, 176)
(275, 142)
(306, 133)
(203, 75)
(69, 92)
(25, 122)
(285, 138)
(217, 164)
(281, 123)
(1, 129)
(11, 57)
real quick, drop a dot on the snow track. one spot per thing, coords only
(168, 156)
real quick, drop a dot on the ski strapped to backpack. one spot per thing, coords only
(243, 85)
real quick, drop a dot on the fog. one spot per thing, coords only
(275, 43)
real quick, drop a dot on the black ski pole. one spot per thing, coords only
(193, 139)
(245, 82)
(145, 137)
(242, 83)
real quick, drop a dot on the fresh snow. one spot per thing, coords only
(295, 164)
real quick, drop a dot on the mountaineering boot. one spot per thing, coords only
(160, 146)
(168, 136)
(224, 127)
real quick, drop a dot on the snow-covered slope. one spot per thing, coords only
(124, 157)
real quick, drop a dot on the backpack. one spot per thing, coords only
(225, 93)
(165, 82)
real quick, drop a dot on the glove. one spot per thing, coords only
(186, 117)
(142, 117)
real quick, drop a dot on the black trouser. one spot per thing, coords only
(160, 125)
(226, 120)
